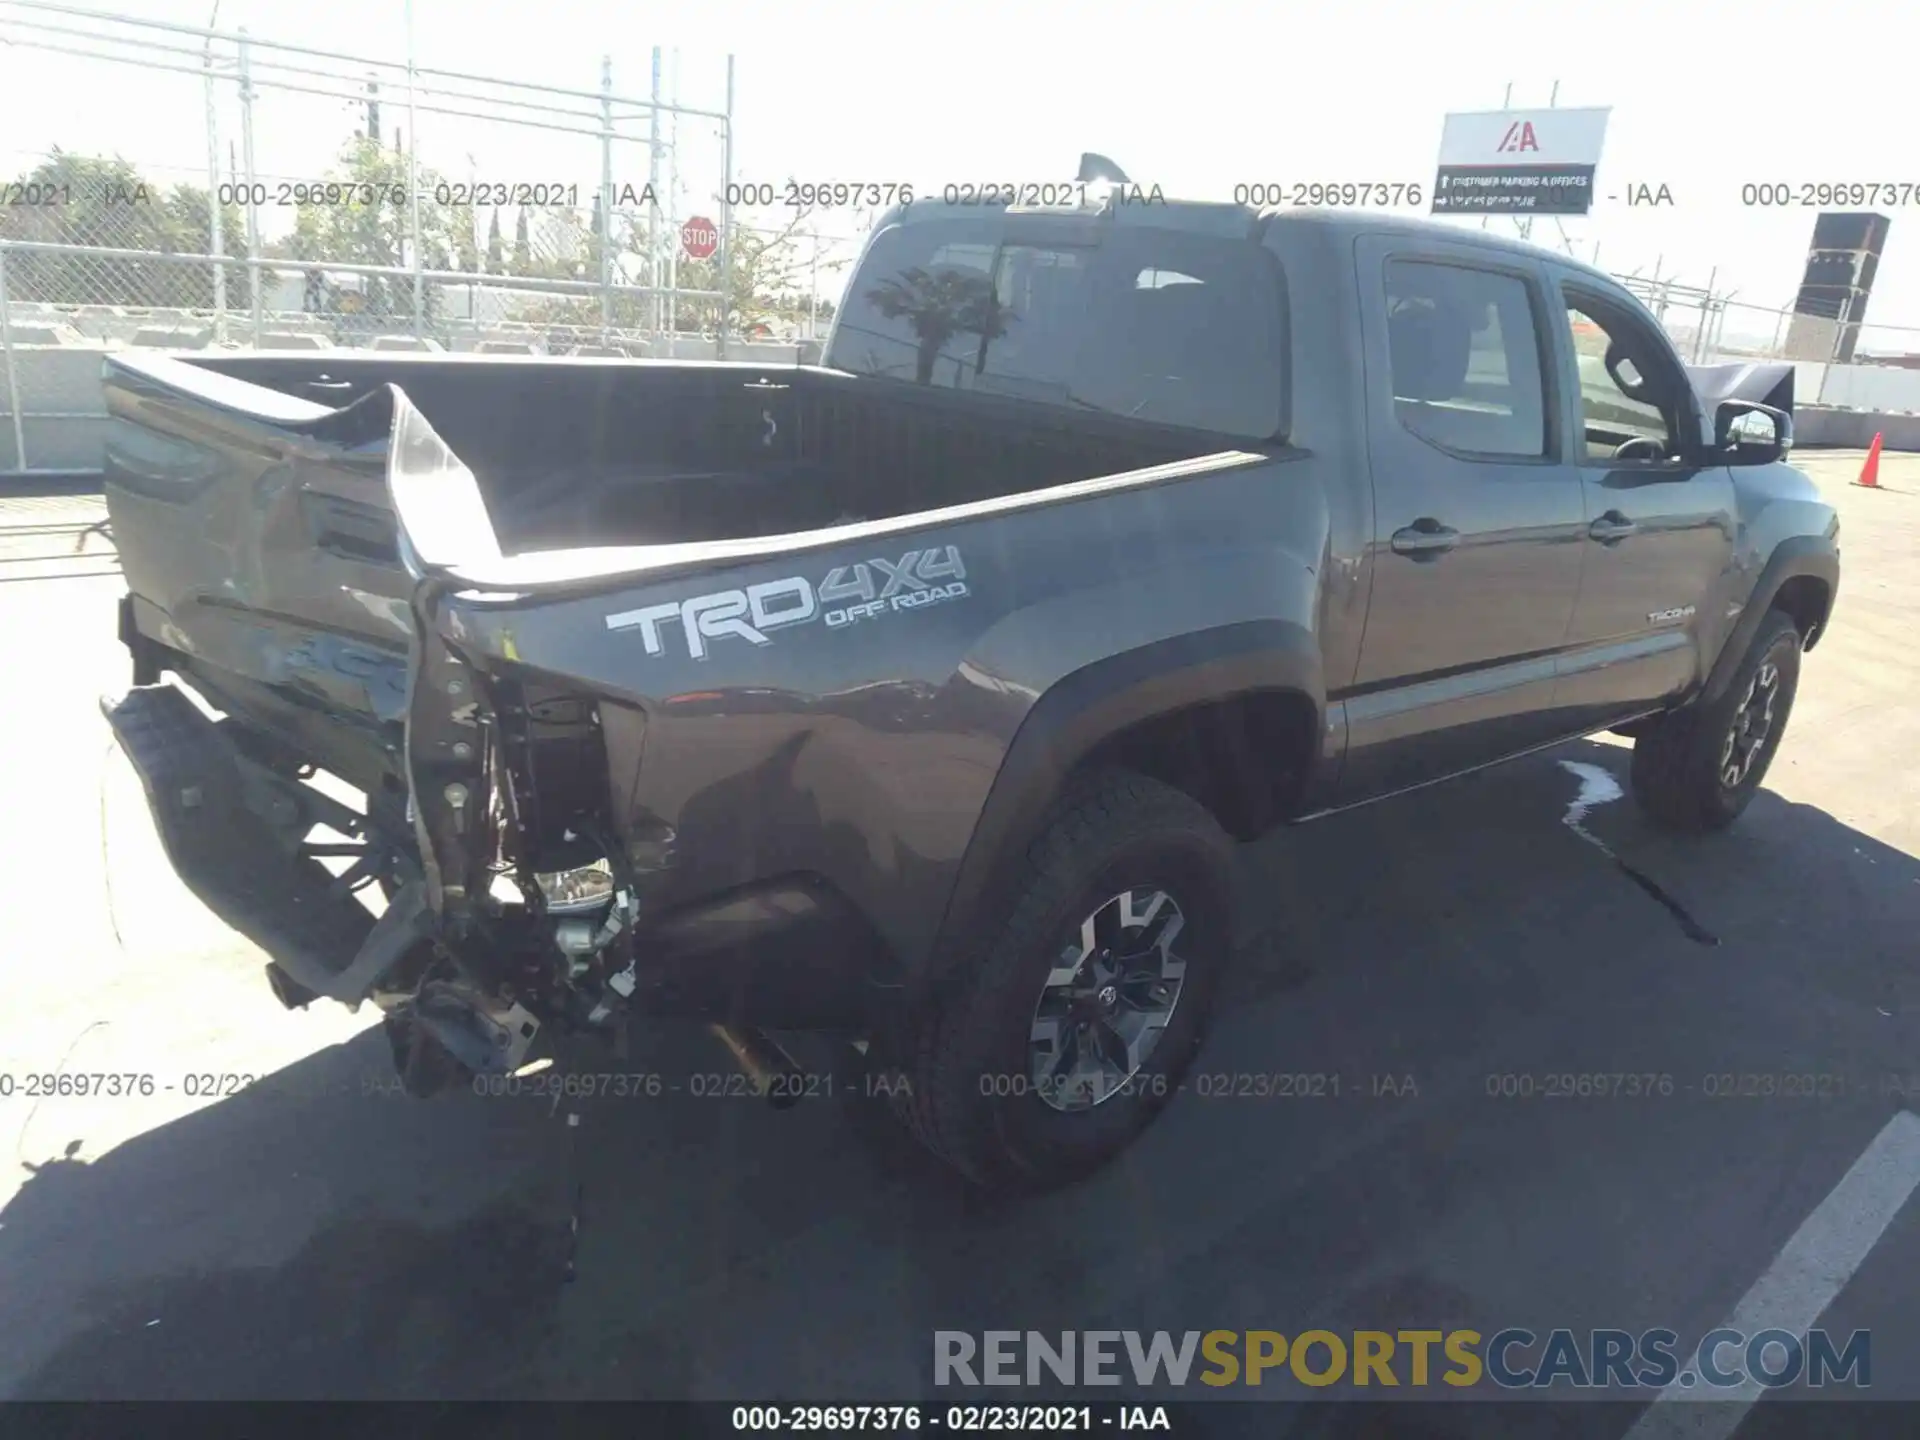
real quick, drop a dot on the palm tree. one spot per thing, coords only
(938, 305)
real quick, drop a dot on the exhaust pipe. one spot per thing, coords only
(763, 1061)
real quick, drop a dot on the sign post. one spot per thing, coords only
(699, 237)
(1519, 162)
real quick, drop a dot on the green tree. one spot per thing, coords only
(373, 225)
(596, 245)
(770, 271)
(466, 247)
(77, 200)
(522, 246)
(496, 258)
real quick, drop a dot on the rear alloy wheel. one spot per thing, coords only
(1064, 1031)
(1699, 768)
(1108, 1000)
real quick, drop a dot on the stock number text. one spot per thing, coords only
(1579, 1086)
(1815, 195)
(307, 194)
(1330, 192)
(800, 193)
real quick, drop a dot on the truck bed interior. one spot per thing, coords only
(594, 452)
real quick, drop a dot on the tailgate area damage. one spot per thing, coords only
(235, 833)
(479, 799)
(238, 827)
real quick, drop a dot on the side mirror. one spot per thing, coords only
(1748, 433)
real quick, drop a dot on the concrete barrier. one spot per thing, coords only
(764, 352)
(75, 444)
(1870, 387)
(405, 342)
(58, 379)
(292, 340)
(44, 332)
(1818, 427)
(172, 337)
(63, 413)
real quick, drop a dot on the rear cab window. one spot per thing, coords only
(1148, 323)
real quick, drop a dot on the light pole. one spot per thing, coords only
(413, 186)
(214, 245)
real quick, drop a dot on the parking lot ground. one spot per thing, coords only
(1442, 962)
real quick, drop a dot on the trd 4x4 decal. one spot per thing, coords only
(874, 587)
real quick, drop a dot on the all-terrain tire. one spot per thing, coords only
(970, 1092)
(1683, 766)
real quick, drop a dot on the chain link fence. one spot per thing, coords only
(355, 195)
(281, 197)
(284, 197)
(1709, 328)
(278, 196)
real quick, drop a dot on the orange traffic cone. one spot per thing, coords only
(1870, 472)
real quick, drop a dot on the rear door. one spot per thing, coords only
(1662, 520)
(1478, 519)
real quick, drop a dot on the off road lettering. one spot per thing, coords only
(749, 614)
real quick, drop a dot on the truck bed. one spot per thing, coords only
(593, 452)
(252, 496)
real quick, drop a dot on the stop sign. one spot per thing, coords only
(700, 237)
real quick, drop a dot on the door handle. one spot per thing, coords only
(1425, 539)
(1611, 527)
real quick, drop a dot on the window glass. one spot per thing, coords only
(1159, 325)
(1465, 359)
(1609, 416)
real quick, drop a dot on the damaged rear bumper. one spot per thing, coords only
(235, 832)
(231, 829)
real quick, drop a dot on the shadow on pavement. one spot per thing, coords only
(322, 1236)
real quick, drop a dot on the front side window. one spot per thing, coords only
(1156, 325)
(1619, 402)
(1465, 359)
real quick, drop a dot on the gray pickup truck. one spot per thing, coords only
(917, 698)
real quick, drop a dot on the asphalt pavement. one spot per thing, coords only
(1438, 959)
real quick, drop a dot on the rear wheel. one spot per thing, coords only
(1071, 1023)
(1698, 768)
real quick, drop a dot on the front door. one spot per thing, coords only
(1661, 521)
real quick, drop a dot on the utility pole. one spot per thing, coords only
(418, 258)
(726, 222)
(673, 207)
(653, 208)
(246, 150)
(605, 208)
(215, 237)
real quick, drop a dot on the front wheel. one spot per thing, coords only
(1069, 1026)
(1698, 768)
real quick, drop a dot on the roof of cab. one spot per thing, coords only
(1226, 218)
(1354, 223)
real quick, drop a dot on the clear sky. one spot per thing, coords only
(1705, 96)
